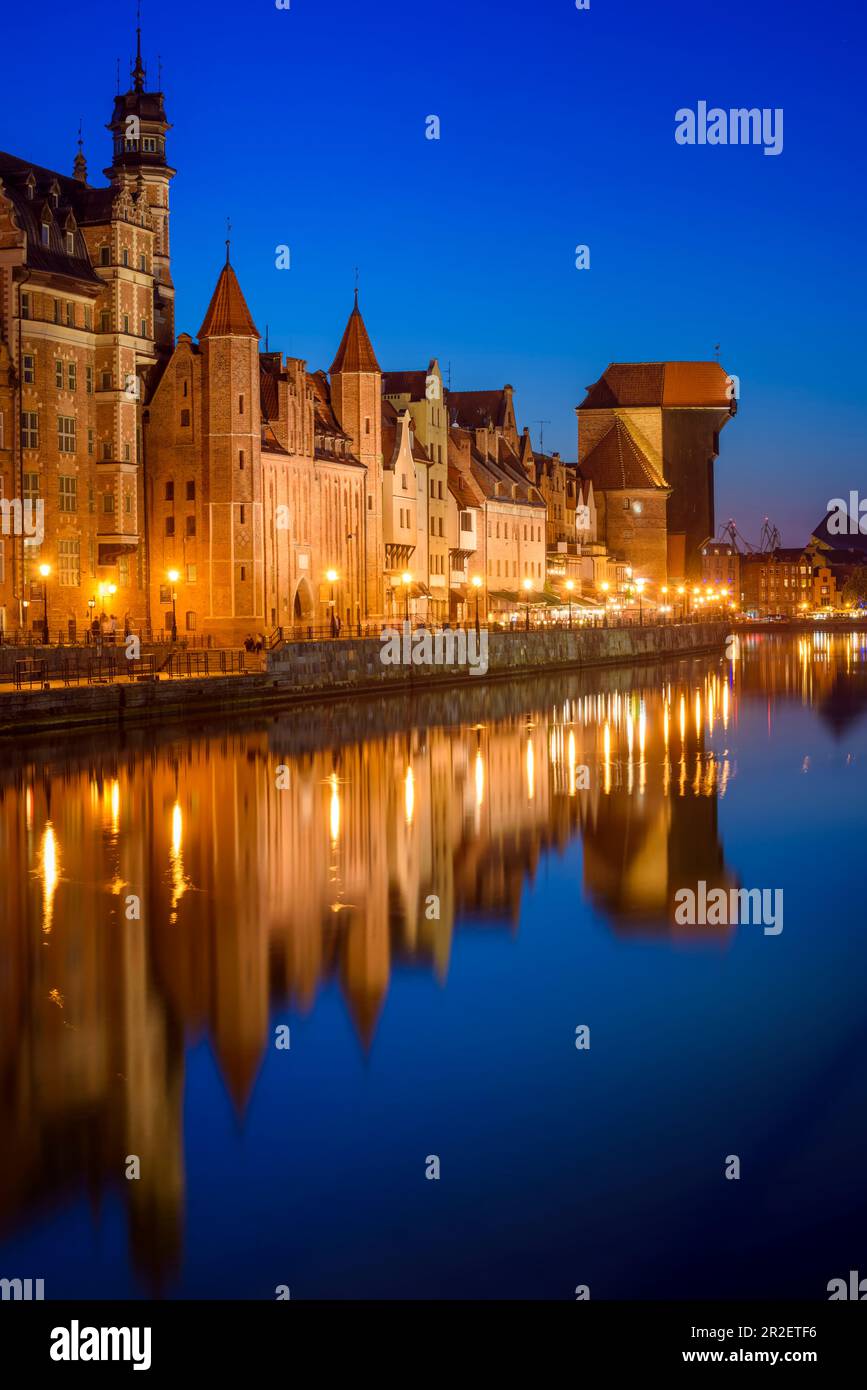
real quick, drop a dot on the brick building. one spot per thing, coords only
(721, 566)
(485, 452)
(86, 313)
(656, 423)
(205, 484)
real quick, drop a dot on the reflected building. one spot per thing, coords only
(193, 887)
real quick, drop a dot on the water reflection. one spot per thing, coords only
(185, 886)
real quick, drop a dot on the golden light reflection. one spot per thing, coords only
(409, 795)
(479, 778)
(334, 809)
(49, 870)
(176, 860)
(570, 754)
(531, 779)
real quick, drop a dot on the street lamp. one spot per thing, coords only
(174, 576)
(605, 586)
(639, 584)
(45, 571)
(528, 585)
(477, 584)
(570, 585)
(406, 578)
(331, 576)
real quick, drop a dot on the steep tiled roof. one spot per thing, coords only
(228, 314)
(464, 488)
(355, 353)
(618, 462)
(73, 196)
(268, 395)
(412, 384)
(660, 383)
(476, 409)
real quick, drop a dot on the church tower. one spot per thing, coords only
(232, 487)
(138, 126)
(356, 397)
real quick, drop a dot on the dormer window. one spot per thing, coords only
(45, 233)
(70, 243)
(31, 185)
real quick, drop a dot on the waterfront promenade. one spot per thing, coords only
(200, 683)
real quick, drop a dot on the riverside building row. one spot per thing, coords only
(231, 490)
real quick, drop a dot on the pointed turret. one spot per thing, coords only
(228, 315)
(355, 353)
(356, 397)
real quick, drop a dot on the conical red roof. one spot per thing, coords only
(227, 312)
(355, 353)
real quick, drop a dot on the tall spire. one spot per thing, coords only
(79, 167)
(228, 315)
(355, 353)
(138, 72)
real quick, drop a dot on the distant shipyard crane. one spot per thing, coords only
(769, 539)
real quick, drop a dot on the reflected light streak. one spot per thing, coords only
(179, 881)
(49, 869)
(409, 795)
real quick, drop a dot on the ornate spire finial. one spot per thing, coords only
(228, 238)
(138, 72)
(79, 167)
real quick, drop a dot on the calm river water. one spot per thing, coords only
(422, 901)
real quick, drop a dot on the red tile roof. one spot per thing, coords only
(660, 383)
(228, 314)
(476, 409)
(412, 384)
(618, 462)
(355, 353)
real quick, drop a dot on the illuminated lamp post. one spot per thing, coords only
(331, 576)
(174, 576)
(406, 579)
(528, 585)
(570, 585)
(477, 584)
(44, 571)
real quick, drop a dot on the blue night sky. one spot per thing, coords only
(307, 128)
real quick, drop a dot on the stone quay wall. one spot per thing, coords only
(316, 671)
